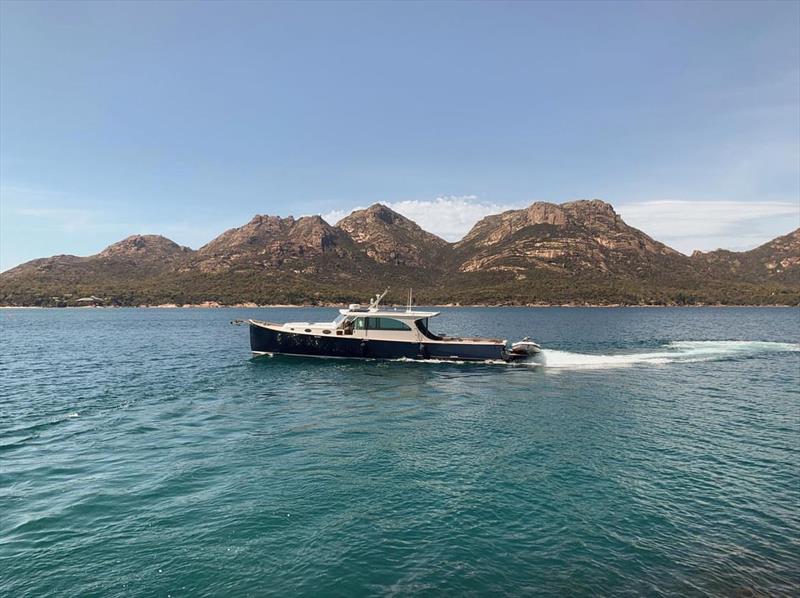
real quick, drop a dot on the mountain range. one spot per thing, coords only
(579, 252)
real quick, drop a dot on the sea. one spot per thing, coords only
(647, 452)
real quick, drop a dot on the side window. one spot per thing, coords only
(379, 324)
(389, 324)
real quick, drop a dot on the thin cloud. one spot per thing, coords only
(450, 217)
(708, 225)
(683, 225)
(67, 219)
(9, 190)
(39, 207)
(334, 216)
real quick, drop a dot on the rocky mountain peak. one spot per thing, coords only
(391, 238)
(315, 233)
(139, 246)
(380, 212)
(594, 213)
(777, 259)
(577, 235)
(588, 206)
(315, 221)
(267, 220)
(361, 223)
(257, 232)
(542, 212)
(269, 241)
(584, 212)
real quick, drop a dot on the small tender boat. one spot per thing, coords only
(376, 333)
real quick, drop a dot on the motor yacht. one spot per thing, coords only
(373, 332)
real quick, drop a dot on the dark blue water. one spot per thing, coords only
(142, 452)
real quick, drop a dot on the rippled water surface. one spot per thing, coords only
(652, 452)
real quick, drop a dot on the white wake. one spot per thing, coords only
(674, 352)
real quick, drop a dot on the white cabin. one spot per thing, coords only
(378, 324)
(371, 323)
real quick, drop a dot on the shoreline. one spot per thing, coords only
(210, 305)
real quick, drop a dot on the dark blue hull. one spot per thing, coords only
(266, 340)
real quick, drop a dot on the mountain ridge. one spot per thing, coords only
(575, 252)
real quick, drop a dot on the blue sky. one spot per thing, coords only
(185, 119)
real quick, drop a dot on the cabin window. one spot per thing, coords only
(386, 324)
(380, 324)
(392, 324)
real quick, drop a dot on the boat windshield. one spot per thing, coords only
(339, 319)
(422, 326)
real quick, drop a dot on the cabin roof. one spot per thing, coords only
(389, 313)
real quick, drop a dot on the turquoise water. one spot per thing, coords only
(142, 452)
